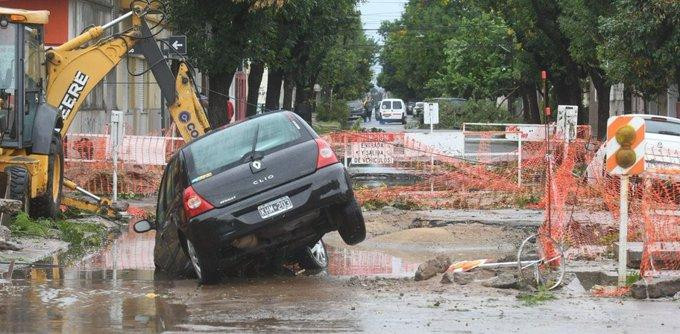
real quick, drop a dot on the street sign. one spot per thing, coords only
(567, 119)
(372, 153)
(431, 113)
(178, 43)
(625, 145)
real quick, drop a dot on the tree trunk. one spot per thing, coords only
(603, 90)
(217, 97)
(569, 93)
(532, 114)
(303, 106)
(627, 100)
(254, 81)
(288, 87)
(274, 80)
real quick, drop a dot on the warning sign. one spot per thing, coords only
(372, 153)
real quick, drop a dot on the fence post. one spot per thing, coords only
(519, 161)
(623, 231)
(344, 140)
(117, 133)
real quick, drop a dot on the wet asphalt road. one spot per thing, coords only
(115, 291)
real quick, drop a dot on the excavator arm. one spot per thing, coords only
(75, 68)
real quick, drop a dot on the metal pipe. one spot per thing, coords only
(114, 22)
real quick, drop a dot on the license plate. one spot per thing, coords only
(275, 207)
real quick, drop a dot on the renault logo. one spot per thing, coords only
(257, 166)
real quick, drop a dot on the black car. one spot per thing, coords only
(267, 188)
(356, 109)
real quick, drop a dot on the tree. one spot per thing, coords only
(413, 52)
(221, 35)
(641, 44)
(579, 22)
(346, 69)
(479, 59)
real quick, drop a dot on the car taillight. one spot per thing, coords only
(326, 156)
(194, 204)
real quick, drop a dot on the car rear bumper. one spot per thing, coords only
(215, 231)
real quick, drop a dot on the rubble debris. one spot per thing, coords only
(656, 288)
(10, 206)
(6, 245)
(447, 278)
(432, 267)
(463, 278)
(5, 233)
(502, 281)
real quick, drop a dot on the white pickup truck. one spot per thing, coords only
(662, 148)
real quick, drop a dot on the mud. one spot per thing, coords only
(367, 288)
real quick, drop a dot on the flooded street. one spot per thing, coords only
(362, 291)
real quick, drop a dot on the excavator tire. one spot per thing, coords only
(18, 181)
(47, 204)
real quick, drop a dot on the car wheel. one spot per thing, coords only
(350, 221)
(205, 270)
(403, 121)
(314, 257)
(382, 121)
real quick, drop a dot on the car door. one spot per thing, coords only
(168, 254)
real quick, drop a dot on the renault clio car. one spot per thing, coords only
(264, 188)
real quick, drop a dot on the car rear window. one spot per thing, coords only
(663, 127)
(396, 105)
(386, 105)
(220, 150)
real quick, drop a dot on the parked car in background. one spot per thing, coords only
(356, 109)
(409, 108)
(392, 110)
(256, 191)
(419, 108)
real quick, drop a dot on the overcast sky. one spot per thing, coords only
(373, 12)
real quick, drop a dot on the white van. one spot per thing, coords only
(392, 110)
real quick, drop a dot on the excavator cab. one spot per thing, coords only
(22, 71)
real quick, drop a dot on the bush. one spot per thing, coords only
(337, 111)
(452, 116)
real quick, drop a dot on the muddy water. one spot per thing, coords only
(115, 291)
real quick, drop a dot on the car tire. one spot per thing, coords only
(206, 270)
(350, 222)
(382, 121)
(314, 257)
(403, 121)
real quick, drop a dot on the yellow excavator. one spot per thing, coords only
(41, 92)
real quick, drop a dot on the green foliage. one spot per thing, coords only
(23, 225)
(478, 59)
(76, 234)
(541, 296)
(632, 278)
(337, 111)
(641, 44)
(374, 204)
(522, 200)
(453, 115)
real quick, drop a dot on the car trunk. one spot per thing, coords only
(278, 167)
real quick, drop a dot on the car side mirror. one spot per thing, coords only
(143, 226)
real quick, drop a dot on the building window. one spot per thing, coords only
(88, 14)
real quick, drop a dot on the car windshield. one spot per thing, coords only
(663, 127)
(396, 105)
(355, 104)
(387, 105)
(219, 150)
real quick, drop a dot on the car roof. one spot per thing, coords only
(647, 116)
(392, 100)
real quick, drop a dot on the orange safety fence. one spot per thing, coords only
(141, 159)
